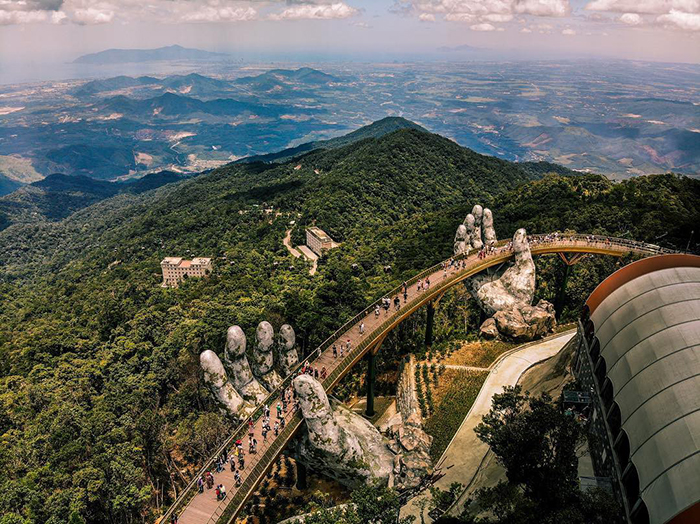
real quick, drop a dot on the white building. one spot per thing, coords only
(318, 240)
(176, 268)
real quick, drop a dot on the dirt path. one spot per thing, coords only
(288, 244)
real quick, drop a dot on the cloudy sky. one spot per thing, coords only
(667, 30)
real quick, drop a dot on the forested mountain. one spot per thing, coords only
(101, 397)
(58, 196)
(375, 130)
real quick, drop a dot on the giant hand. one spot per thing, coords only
(506, 295)
(338, 442)
(237, 385)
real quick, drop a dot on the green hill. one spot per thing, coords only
(374, 130)
(100, 387)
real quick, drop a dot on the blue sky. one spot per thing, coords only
(666, 30)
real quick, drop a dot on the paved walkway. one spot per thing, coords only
(465, 452)
(311, 256)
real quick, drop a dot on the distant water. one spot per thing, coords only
(31, 72)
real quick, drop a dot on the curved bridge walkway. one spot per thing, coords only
(195, 508)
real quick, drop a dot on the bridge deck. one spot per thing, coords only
(204, 508)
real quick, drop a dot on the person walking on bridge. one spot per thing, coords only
(362, 328)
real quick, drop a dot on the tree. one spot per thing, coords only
(535, 442)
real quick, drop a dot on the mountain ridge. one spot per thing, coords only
(121, 56)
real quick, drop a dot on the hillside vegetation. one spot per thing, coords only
(102, 402)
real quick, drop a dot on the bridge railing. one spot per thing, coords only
(190, 490)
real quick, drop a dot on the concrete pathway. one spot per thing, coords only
(311, 256)
(465, 452)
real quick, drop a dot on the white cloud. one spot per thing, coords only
(631, 19)
(568, 32)
(221, 14)
(651, 7)
(92, 16)
(543, 7)
(88, 12)
(459, 17)
(482, 27)
(681, 20)
(672, 14)
(336, 10)
(482, 14)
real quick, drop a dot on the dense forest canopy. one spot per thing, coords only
(101, 397)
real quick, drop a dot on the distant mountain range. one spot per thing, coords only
(374, 130)
(122, 56)
(192, 84)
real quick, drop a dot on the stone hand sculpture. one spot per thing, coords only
(239, 368)
(238, 385)
(263, 359)
(506, 295)
(216, 378)
(469, 234)
(337, 442)
(286, 356)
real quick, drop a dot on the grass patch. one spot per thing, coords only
(479, 354)
(453, 397)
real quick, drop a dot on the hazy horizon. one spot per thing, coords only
(38, 32)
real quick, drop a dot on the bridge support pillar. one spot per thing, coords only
(429, 326)
(301, 476)
(371, 379)
(561, 292)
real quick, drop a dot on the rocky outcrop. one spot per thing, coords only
(527, 322)
(506, 295)
(489, 329)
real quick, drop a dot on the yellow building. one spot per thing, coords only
(176, 268)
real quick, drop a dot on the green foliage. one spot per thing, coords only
(536, 443)
(102, 402)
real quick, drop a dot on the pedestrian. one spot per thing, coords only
(397, 303)
(362, 328)
(277, 429)
(376, 311)
(200, 484)
(173, 519)
(222, 488)
(241, 463)
(218, 493)
(348, 345)
(335, 351)
(323, 373)
(405, 295)
(237, 478)
(279, 410)
(316, 373)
